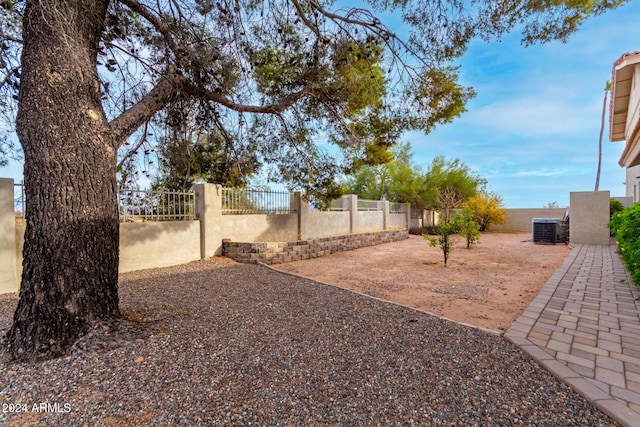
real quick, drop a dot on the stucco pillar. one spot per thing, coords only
(209, 213)
(8, 276)
(589, 217)
(408, 215)
(385, 213)
(350, 201)
(302, 207)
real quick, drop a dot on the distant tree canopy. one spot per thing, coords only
(402, 180)
(79, 78)
(399, 180)
(445, 174)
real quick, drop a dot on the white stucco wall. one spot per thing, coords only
(158, 244)
(520, 219)
(589, 217)
(260, 228)
(367, 221)
(325, 224)
(397, 221)
(8, 278)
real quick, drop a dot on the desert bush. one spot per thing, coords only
(488, 209)
(625, 227)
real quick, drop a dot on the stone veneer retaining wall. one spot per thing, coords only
(276, 253)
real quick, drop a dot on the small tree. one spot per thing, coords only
(469, 228)
(444, 240)
(487, 208)
(448, 200)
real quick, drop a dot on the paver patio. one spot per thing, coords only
(584, 327)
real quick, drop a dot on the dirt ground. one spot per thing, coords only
(488, 285)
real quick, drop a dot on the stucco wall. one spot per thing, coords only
(260, 228)
(589, 217)
(520, 219)
(397, 220)
(368, 221)
(20, 229)
(8, 278)
(325, 224)
(158, 244)
(145, 245)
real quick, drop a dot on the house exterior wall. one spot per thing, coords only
(624, 121)
(633, 115)
(632, 183)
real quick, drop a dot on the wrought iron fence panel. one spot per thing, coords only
(146, 205)
(338, 205)
(243, 201)
(369, 205)
(397, 208)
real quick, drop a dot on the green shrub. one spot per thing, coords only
(615, 206)
(625, 226)
(469, 228)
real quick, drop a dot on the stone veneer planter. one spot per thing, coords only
(276, 253)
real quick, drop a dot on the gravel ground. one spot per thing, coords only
(218, 343)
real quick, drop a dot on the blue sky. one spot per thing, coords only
(532, 131)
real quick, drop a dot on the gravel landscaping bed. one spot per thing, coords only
(218, 343)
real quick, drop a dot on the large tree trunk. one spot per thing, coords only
(70, 277)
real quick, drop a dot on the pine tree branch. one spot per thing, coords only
(130, 120)
(274, 108)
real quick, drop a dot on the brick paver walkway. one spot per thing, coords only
(584, 327)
